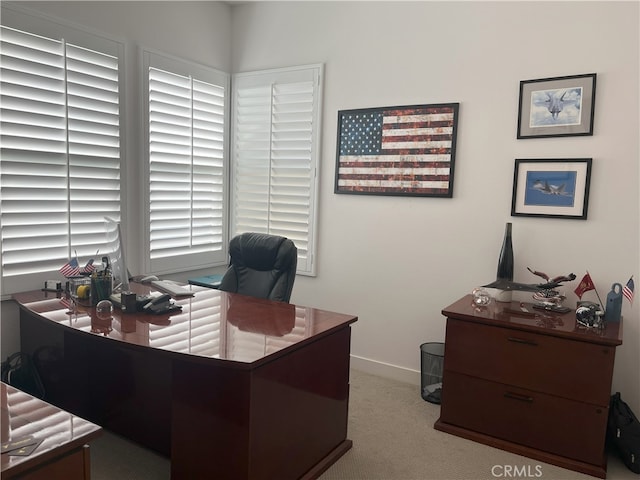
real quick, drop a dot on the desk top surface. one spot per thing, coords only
(211, 324)
(523, 316)
(27, 419)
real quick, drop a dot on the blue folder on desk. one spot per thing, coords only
(211, 281)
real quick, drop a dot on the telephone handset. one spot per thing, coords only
(161, 304)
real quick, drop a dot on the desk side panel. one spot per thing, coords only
(237, 422)
(210, 420)
(299, 408)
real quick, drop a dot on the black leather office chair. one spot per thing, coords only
(261, 266)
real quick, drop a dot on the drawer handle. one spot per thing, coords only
(517, 396)
(523, 341)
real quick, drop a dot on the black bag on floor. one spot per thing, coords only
(19, 371)
(623, 432)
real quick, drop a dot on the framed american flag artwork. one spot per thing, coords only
(408, 150)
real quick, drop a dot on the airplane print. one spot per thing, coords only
(550, 188)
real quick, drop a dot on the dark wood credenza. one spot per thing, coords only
(536, 384)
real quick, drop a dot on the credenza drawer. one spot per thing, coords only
(545, 422)
(554, 365)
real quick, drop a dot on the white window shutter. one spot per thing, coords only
(251, 170)
(169, 163)
(275, 156)
(34, 154)
(209, 170)
(94, 146)
(60, 153)
(187, 151)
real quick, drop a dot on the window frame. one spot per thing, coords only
(153, 58)
(286, 75)
(22, 19)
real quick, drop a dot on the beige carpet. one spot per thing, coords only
(393, 439)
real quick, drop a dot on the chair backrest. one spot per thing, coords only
(261, 266)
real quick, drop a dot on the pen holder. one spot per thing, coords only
(100, 289)
(80, 290)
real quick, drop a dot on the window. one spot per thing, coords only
(187, 122)
(276, 127)
(60, 110)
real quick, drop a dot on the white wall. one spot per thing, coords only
(393, 261)
(396, 262)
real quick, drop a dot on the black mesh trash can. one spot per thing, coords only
(431, 364)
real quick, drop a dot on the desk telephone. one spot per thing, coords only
(148, 304)
(159, 305)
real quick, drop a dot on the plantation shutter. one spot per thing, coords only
(60, 153)
(274, 177)
(187, 149)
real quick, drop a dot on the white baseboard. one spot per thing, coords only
(385, 370)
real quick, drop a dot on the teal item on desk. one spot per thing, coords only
(614, 304)
(210, 281)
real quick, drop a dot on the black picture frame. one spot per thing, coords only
(402, 150)
(553, 188)
(557, 107)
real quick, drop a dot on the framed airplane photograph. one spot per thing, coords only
(557, 107)
(556, 188)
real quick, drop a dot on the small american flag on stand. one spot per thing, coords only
(71, 268)
(88, 268)
(627, 290)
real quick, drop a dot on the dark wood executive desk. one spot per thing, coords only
(63, 451)
(535, 383)
(231, 387)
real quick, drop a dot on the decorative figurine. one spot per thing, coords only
(504, 283)
(548, 296)
(552, 282)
